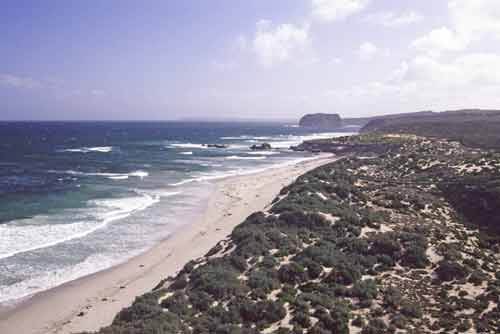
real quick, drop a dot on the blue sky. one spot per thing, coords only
(265, 59)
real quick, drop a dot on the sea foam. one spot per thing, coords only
(238, 157)
(113, 176)
(39, 232)
(99, 149)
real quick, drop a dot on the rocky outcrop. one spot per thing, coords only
(323, 121)
(263, 146)
(216, 145)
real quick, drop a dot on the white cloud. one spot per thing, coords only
(392, 19)
(470, 21)
(471, 80)
(367, 51)
(19, 82)
(440, 40)
(278, 44)
(475, 70)
(475, 18)
(333, 10)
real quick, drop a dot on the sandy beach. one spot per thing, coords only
(91, 302)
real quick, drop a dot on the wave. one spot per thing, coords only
(187, 153)
(40, 231)
(163, 193)
(188, 145)
(180, 183)
(247, 137)
(264, 153)
(199, 162)
(140, 174)
(284, 141)
(113, 176)
(237, 157)
(200, 146)
(118, 177)
(99, 149)
(26, 288)
(204, 177)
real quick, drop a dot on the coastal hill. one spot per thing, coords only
(401, 235)
(471, 127)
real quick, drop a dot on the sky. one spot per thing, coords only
(258, 59)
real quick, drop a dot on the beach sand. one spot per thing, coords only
(92, 302)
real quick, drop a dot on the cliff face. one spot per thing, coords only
(321, 121)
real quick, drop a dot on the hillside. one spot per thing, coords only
(387, 245)
(475, 128)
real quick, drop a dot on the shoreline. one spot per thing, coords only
(91, 302)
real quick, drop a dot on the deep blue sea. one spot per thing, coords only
(79, 197)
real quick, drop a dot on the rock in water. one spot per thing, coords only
(264, 146)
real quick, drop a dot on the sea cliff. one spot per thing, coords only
(321, 121)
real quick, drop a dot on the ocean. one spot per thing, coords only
(80, 197)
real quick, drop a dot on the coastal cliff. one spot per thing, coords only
(381, 241)
(322, 121)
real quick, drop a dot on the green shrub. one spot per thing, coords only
(345, 274)
(385, 243)
(302, 319)
(464, 326)
(415, 256)
(375, 326)
(263, 279)
(411, 309)
(292, 273)
(238, 262)
(218, 279)
(314, 269)
(359, 321)
(392, 297)
(449, 271)
(366, 289)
